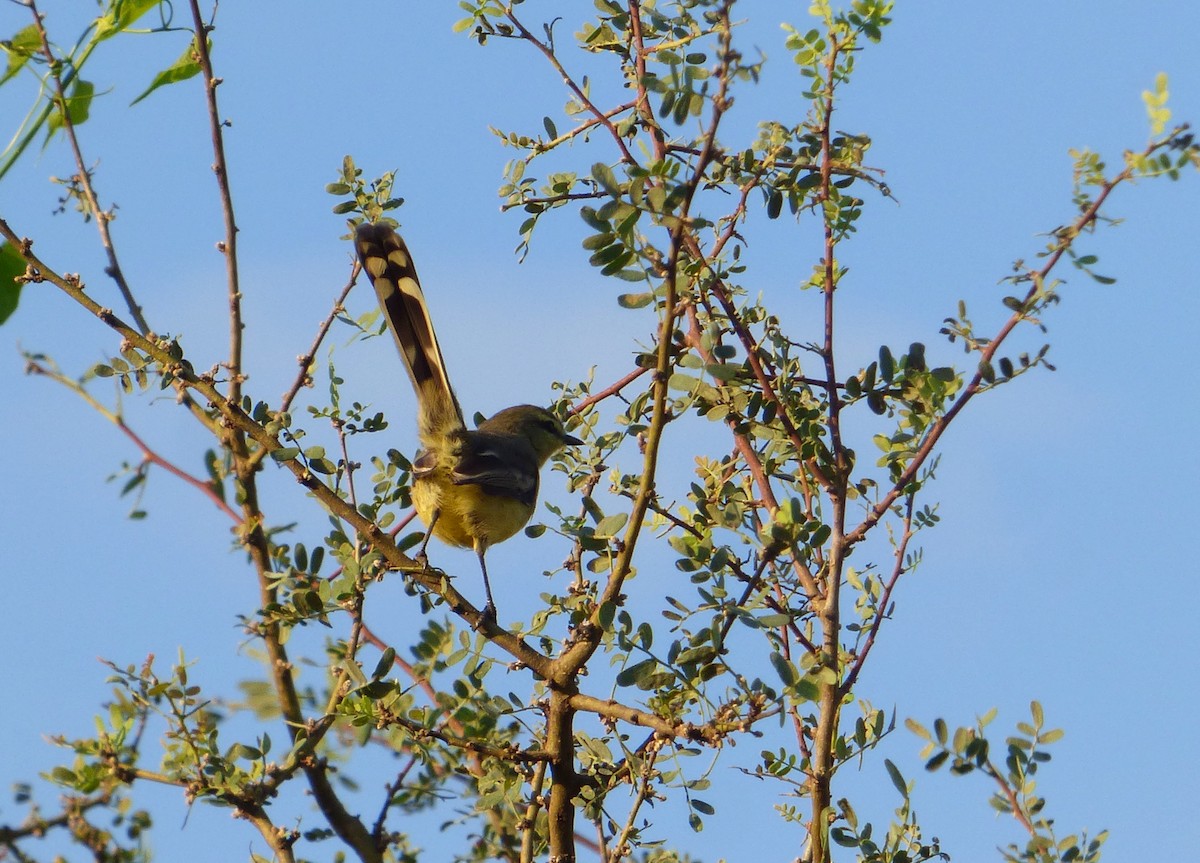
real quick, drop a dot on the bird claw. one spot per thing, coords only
(488, 615)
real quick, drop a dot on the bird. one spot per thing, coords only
(471, 488)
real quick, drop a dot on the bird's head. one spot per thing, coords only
(540, 427)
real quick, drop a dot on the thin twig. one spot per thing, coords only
(553, 199)
(620, 847)
(536, 804)
(148, 453)
(103, 217)
(306, 359)
(600, 116)
(898, 569)
(545, 146)
(610, 390)
(221, 169)
(1088, 217)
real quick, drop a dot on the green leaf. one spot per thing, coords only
(844, 837)
(637, 672)
(1156, 104)
(603, 175)
(23, 45)
(887, 363)
(774, 204)
(322, 465)
(594, 219)
(599, 241)
(187, 66)
(723, 372)
(608, 611)
(774, 621)
(1052, 736)
(918, 729)
(896, 776)
(786, 670)
(611, 525)
(385, 664)
(79, 105)
(62, 776)
(683, 383)
(937, 761)
(12, 266)
(122, 14)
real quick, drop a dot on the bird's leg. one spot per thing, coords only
(489, 610)
(421, 557)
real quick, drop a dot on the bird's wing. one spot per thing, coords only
(502, 464)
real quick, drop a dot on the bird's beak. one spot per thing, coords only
(570, 440)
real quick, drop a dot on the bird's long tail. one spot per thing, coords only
(387, 263)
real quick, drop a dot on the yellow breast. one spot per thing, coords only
(466, 515)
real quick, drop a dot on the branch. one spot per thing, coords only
(240, 428)
(529, 820)
(601, 117)
(707, 733)
(553, 199)
(823, 762)
(229, 245)
(743, 444)
(545, 146)
(233, 417)
(884, 599)
(621, 848)
(148, 454)
(1037, 277)
(306, 359)
(37, 827)
(103, 217)
(611, 390)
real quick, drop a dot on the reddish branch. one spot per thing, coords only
(1085, 220)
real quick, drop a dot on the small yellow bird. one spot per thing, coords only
(472, 489)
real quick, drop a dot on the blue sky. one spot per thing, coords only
(1066, 498)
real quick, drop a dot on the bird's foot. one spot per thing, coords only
(488, 615)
